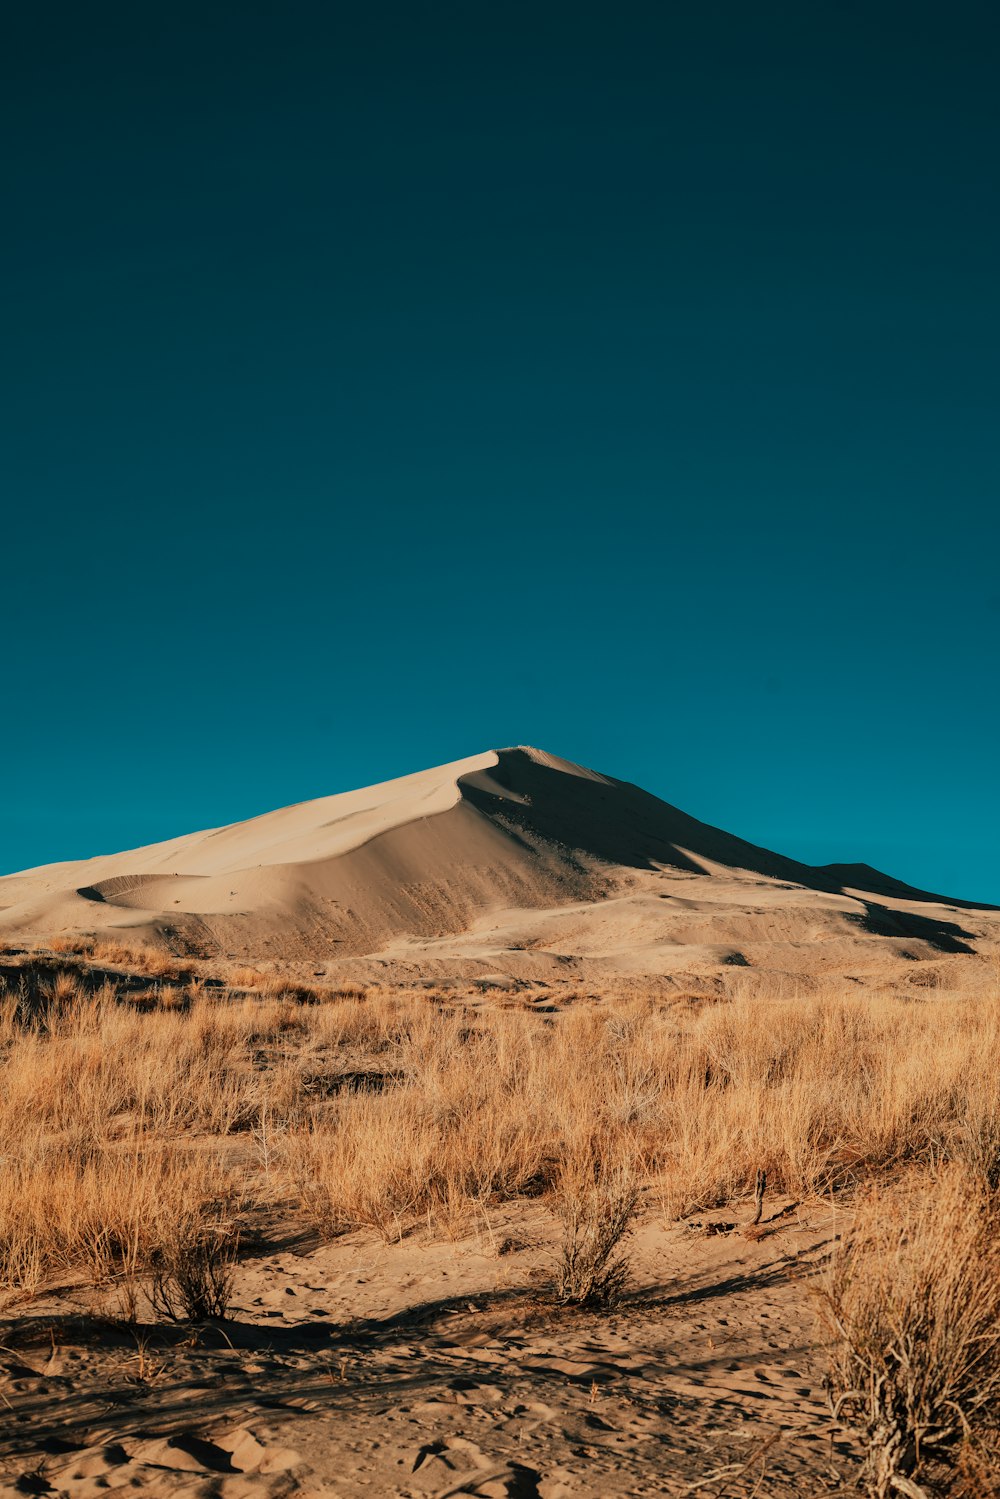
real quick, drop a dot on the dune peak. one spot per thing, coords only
(440, 859)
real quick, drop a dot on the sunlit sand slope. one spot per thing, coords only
(512, 859)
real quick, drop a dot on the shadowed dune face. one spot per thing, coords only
(864, 877)
(451, 862)
(945, 936)
(614, 822)
(611, 821)
(620, 824)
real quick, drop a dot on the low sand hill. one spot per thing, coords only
(511, 862)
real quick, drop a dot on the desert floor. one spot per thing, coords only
(419, 1350)
(438, 1367)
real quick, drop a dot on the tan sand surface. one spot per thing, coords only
(513, 863)
(438, 1368)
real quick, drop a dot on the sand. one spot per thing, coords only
(511, 864)
(436, 1368)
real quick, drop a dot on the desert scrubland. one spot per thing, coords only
(498, 1130)
(636, 1238)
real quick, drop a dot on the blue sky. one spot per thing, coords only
(380, 385)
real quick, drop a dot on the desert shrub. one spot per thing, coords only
(192, 1270)
(913, 1306)
(596, 1202)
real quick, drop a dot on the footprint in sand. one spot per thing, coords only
(461, 1391)
(235, 1465)
(456, 1466)
(469, 1392)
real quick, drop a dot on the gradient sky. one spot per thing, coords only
(383, 383)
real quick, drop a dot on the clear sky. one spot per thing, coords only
(383, 383)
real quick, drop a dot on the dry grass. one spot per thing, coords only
(913, 1303)
(378, 1110)
(69, 944)
(133, 956)
(106, 1213)
(193, 1269)
(113, 1130)
(596, 1200)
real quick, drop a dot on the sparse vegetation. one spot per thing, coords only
(192, 1270)
(135, 1124)
(596, 1201)
(913, 1305)
(134, 957)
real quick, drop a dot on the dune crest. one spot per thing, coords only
(513, 856)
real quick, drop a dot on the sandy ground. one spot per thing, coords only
(441, 1367)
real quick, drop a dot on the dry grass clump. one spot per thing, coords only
(105, 1114)
(135, 957)
(277, 985)
(913, 1302)
(450, 1124)
(192, 1270)
(109, 1214)
(79, 946)
(468, 1110)
(978, 1135)
(824, 1093)
(244, 978)
(596, 1200)
(94, 1067)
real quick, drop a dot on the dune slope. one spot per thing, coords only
(513, 852)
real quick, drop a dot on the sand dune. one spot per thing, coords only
(512, 859)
